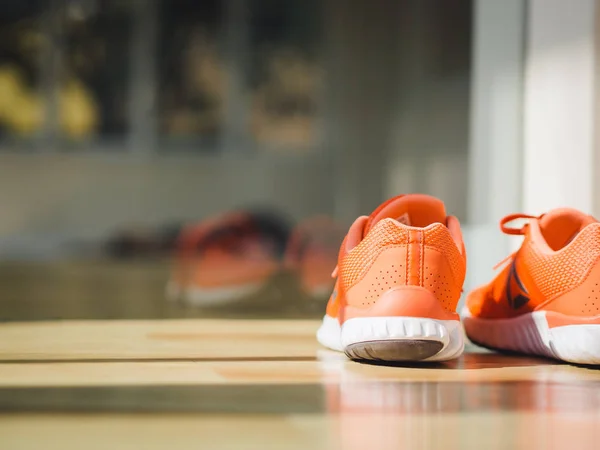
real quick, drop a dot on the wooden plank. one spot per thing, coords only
(164, 339)
(353, 431)
(334, 368)
(149, 432)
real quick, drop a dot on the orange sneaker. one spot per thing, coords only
(399, 278)
(227, 258)
(546, 299)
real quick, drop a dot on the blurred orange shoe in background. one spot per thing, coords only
(231, 256)
(227, 258)
(546, 299)
(400, 275)
(312, 255)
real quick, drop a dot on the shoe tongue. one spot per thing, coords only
(416, 210)
(559, 226)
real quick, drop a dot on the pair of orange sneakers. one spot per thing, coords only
(400, 276)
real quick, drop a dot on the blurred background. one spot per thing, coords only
(126, 124)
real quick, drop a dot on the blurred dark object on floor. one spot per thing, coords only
(143, 242)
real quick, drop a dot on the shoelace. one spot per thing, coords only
(510, 218)
(513, 232)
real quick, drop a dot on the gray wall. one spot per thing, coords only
(87, 195)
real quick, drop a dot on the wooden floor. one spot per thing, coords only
(266, 384)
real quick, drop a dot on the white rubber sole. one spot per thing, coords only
(329, 334)
(531, 334)
(394, 338)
